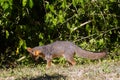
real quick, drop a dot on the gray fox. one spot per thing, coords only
(64, 49)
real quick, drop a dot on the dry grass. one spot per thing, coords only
(105, 70)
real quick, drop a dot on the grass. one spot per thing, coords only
(100, 70)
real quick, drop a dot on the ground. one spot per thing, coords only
(100, 70)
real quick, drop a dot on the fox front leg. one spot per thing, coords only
(48, 58)
(48, 64)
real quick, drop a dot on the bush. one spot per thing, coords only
(91, 24)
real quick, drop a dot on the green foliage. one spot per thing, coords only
(92, 24)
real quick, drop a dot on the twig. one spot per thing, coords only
(104, 32)
(82, 24)
(86, 37)
(68, 19)
(20, 59)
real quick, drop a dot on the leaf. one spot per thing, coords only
(41, 43)
(51, 8)
(24, 44)
(55, 21)
(31, 3)
(17, 51)
(7, 34)
(92, 41)
(41, 36)
(20, 43)
(61, 18)
(112, 0)
(101, 41)
(47, 5)
(73, 2)
(83, 44)
(5, 5)
(64, 4)
(82, 3)
(68, 25)
(24, 2)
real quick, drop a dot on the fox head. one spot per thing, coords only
(33, 52)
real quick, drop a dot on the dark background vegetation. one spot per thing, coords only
(91, 24)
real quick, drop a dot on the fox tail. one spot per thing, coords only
(90, 55)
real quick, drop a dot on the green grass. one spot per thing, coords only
(100, 70)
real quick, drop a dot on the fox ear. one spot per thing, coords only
(29, 49)
(37, 52)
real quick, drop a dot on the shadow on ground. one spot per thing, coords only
(47, 77)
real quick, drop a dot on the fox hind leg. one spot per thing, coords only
(70, 59)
